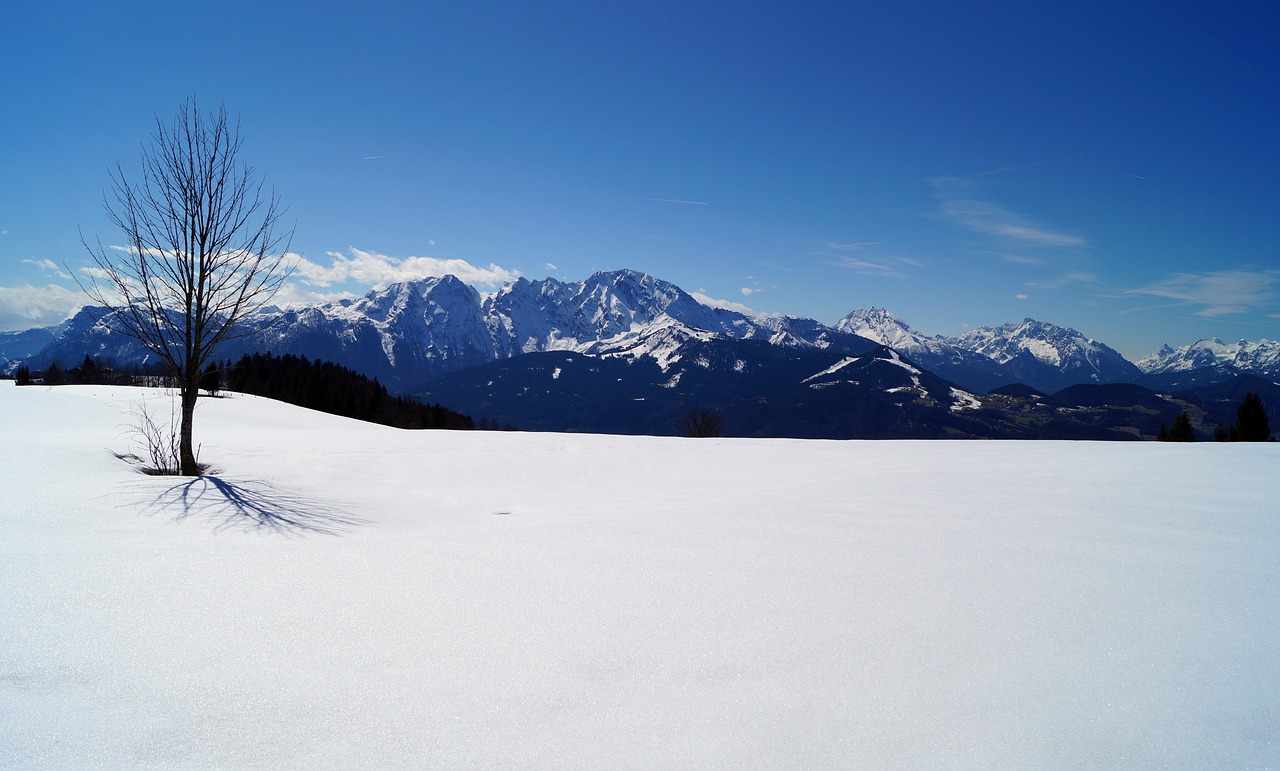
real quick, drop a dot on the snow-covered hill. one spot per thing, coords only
(346, 595)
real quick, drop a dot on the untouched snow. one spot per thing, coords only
(342, 594)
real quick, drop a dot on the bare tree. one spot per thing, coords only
(202, 250)
(701, 423)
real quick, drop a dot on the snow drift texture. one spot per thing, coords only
(342, 594)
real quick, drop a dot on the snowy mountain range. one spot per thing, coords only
(1045, 356)
(933, 352)
(412, 331)
(412, 334)
(1259, 358)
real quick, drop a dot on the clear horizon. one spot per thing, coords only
(1108, 169)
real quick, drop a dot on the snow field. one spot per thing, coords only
(452, 599)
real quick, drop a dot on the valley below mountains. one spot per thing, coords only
(625, 352)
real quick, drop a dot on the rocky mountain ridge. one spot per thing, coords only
(410, 332)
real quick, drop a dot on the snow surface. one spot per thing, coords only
(964, 400)
(846, 361)
(341, 594)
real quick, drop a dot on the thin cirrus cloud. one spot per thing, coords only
(957, 204)
(1066, 279)
(845, 257)
(379, 270)
(1014, 258)
(1220, 292)
(869, 268)
(995, 220)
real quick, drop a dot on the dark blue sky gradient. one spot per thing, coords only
(962, 164)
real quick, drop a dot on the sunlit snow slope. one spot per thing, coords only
(341, 594)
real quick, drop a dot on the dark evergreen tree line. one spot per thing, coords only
(332, 388)
(91, 371)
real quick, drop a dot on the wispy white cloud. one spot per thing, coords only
(1021, 296)
(372, 269)
(747, 291)
(1219, 292)
(94, 273)
(48, 266)
(995, 220)
(868, 268)
(729, 305)
(877, 265)
(855, 246)
(1065, 279)
(295, 295)
(550, 266)
(1019, 259)
(679, 201)
(24, 307)
(958, 204)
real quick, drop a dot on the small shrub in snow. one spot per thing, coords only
(160, 443)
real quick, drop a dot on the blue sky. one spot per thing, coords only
(1106, 166)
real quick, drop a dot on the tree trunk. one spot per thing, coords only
(186, 448)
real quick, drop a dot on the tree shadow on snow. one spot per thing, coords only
(250, 506)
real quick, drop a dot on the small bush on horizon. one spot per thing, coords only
(701, 424)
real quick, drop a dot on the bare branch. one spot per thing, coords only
(203, 248)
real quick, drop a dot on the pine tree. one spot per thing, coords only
(1182, 430)
(1252, 423)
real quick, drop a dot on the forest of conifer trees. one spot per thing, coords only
(328, 387)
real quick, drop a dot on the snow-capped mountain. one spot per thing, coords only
(527, 316)
(933, 352)
(1048, 356)
(411, 331)
(20, 345)
(399, 333)
(87, 333)
(887, 329)
(1260, 358)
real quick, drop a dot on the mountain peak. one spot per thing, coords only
(883, 327)
(1047, 355)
